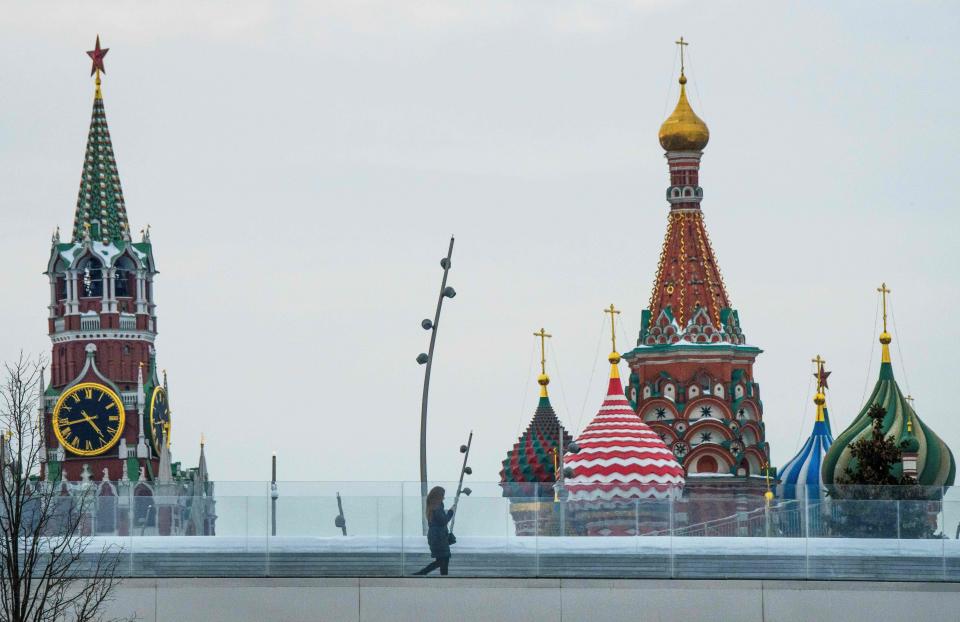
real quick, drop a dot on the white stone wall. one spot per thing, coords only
(593, 600)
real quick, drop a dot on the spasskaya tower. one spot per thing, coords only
(105, 411)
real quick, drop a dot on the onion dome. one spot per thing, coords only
(684, 130)
(800, 477)
(935, 464)
(532, 459)
(620, 457)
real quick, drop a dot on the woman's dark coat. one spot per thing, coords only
(437, 535)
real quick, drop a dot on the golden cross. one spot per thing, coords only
(682, 45)
(883, 294)
(543, 349)
(613, 311)
(819, 362)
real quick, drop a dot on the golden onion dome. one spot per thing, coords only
(684, 130)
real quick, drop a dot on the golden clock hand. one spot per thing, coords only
(89, 420)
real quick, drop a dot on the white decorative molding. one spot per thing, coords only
(81, 335)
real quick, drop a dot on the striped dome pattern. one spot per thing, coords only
(528, 470)
(800, 477)
(620, 456)
(935, 462)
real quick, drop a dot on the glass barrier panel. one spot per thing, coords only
(377, 529)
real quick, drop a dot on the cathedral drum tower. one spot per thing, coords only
(691, 375)
(107, 411)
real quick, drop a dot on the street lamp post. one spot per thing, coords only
(464, 470)
(427, 359)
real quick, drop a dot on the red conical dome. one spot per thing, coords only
(620, 456)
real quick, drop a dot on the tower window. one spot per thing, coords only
(91, 278)
(124, 275)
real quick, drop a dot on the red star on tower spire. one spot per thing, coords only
(97, 55)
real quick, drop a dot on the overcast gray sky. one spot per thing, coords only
(303, 164)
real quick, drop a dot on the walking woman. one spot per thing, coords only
(437, 535)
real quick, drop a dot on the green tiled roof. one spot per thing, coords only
(100, 201)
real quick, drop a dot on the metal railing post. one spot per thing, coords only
(672, 523)
(898, 519)
(536, 527)
(806, 531)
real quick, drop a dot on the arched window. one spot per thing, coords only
(669, 392)
(106, 511)
(144, 512)
(707, 464)
(124, 278)
(90, 282)
(60, 279)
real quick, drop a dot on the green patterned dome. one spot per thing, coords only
(935, 462)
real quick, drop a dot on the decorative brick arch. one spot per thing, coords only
(658, 402)
(724, 459)
(753, 405)
(692, 410)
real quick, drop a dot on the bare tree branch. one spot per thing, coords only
(47, 571)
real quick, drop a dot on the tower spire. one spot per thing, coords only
(101, 212)
(885, 338)
(820, 399)
(682, 44)
(96, 55)
(614, 356)
(683, 131)
(543, 380)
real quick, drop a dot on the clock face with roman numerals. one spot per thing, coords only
(159, 418)
(88, 419)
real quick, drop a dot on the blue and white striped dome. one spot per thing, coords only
(800, 477)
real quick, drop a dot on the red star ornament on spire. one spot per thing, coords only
(821, 376)
(97, 55)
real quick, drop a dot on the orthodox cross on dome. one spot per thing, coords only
(544, 379)
(543, 334)
(821, 374)
(884, 336)
(682, 45)
(883, 295)
(613, 311)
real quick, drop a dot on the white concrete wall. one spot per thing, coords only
(593, 600)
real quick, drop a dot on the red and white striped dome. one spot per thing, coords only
(620, 456)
